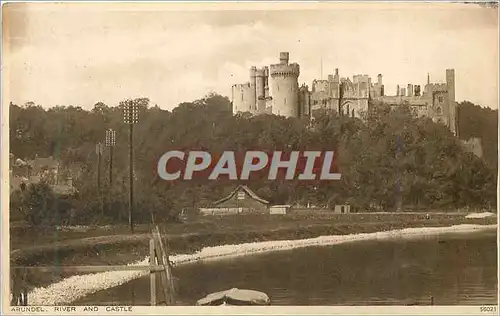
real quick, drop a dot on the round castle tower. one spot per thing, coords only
(284, 86)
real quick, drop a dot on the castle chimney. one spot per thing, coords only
(336, 76)
(410, 90)
(417, 90)
(397, 91)
(284, 56)
(379, 79)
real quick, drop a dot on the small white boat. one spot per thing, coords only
(235, 297)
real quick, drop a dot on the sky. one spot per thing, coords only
(80, 54)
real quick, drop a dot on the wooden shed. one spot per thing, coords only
(342, 209)
(242, 200)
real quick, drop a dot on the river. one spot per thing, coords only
(454, 269)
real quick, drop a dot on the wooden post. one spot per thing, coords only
(15, 288)
(169, 271)
(25, 296)
(152, 274)
(166, 274)
(19, 290)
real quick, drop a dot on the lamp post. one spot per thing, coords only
(110, 142)
(131, 117)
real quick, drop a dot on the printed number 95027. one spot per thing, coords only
(488, 308)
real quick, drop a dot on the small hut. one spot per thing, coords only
(242, 200)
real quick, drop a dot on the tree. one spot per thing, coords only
(389, 157)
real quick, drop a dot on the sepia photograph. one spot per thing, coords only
(324, 155)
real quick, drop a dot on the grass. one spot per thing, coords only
(23, 237)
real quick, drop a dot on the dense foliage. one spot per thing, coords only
(391, 159)
(475, 121)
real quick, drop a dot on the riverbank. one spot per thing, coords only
(112, 246)
(76, 287)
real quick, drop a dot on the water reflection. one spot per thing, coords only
(453, 269)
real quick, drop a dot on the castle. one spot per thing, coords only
(276, 90)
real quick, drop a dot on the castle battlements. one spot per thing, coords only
(275, 89)
(241, 85)
(285, 70)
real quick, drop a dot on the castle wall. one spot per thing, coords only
(321, 86)
(439, 111)
(420, 105)
(473, 145)
(242, 98)
(354, 107)
(284, 88)
(304, 101)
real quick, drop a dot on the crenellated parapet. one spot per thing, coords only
(281, 70)
(241, 85)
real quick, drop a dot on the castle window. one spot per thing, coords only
(440, 98)
(439, 111)
(353, 113)
(242, 97)
(285, 100)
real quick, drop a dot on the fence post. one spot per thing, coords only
(25, 296)
(18, 288)
(152, 274)
(161, 261)
(168, 270)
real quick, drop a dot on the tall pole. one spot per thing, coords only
(131, 117)
(131, 177)
(110, 168)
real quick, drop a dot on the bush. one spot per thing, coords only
(40, 206)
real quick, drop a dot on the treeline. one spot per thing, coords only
(476, 121)
(389, 160)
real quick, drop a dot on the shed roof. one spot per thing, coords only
(247, 190)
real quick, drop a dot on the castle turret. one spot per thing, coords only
(305, 101)
(403, 92)
(284, 57)
(285, 87)
(242, 96)
(450, 85)
(397, 90)
(253, 93)
(260, 89)
(379, 79)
